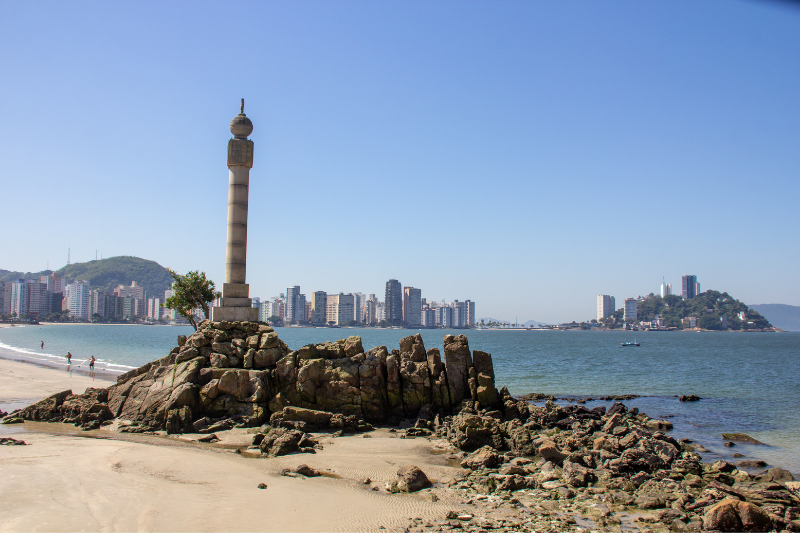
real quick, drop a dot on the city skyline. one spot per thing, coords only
(516, 124)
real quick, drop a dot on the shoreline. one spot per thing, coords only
(103, 479)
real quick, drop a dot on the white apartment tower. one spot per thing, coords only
(78, 294)
(666, 288)
(605, 306)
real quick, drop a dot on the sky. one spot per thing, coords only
(524, 155)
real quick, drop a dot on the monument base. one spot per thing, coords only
(234, 314)
(236, 305)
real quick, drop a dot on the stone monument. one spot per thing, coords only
(235, 304)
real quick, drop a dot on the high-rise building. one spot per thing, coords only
(295, 305)
(97, 303)
(266, 311)
(38, 299)
(110, 307)
(444, 316)
(132, 291)
(666, 289)
(470, 306)
(319, 307)
(605, 306)
(54, 283)
(339, 309)
(18, 305)
(428, 317)
(689, 286)
(359, 301)
(371, 311)
(78, 299)
(459, 314)
(255, 302)
(394, 303)
(278, 307)
(154, 308)
(412, 307)
(630, 309)
(3, 310)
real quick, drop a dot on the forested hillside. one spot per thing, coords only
(709, 307)
(108, 273)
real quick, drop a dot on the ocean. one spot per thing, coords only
(748, 382)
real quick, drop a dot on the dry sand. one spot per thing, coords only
(68, 480)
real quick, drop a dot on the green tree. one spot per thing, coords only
(709, 322)
(191, 291)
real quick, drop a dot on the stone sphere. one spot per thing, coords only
(241, 127)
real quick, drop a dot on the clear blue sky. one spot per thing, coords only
(525, 155)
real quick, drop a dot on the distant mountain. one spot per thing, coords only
(786, 317)
(532, 323)
(107, 274)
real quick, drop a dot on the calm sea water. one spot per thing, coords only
(749, 382)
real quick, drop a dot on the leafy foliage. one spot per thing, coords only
(190, 292)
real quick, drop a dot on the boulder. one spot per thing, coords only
(469, 431)
(281, 441)
(411, 479)
(485, 457)
(320, 419)
(305, 470)
(735, 515)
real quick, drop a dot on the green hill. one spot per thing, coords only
(106, 274)
(709, 307)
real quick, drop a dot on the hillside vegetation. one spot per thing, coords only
(709, 307)
(107, 274)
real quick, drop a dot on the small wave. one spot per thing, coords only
(60, 359)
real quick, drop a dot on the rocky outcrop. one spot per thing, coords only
(230, 374)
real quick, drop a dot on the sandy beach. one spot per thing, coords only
(69, 480)
(66, 479)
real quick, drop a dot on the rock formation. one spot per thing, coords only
(240, 373)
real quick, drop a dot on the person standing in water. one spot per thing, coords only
(91, 364)
(42, 345)
(69, 358)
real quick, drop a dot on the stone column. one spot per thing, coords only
(236, 304)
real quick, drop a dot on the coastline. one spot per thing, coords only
(106, 480)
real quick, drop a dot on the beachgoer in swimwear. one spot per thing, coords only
(91, 363)
(69, 358)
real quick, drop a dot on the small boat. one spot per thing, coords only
(634, 343)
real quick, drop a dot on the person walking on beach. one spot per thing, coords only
(69, 358)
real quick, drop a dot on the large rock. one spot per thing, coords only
(470, 431)
(735, 515)
(411, 479)
(241, 372)
(458, 363)
(440, 392)
(372, 384)
(486, 391)
(485, 457)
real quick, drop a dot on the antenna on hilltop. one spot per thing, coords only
(69, 250)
